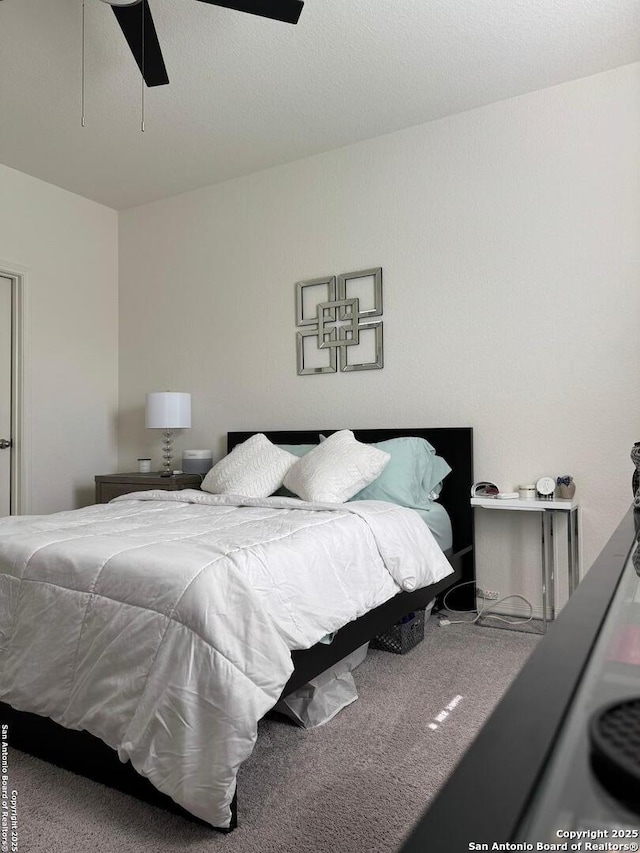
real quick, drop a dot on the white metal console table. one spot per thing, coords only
(547, 509)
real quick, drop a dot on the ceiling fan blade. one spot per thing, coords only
(280, 10)
(130, 20)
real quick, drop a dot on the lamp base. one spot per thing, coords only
(167, 449)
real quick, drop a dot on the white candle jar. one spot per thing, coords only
(527, 492)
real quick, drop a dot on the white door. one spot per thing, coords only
(5, 395)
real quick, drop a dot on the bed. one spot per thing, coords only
(269, 669)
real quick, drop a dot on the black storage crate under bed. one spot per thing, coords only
(403, 636)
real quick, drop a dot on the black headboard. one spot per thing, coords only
(454, 444)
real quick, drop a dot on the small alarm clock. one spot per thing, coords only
(545, 487)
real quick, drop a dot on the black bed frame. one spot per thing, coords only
(88, 756)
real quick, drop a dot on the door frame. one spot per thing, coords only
(19, 497)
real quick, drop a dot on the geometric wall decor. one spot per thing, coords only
(336, 326)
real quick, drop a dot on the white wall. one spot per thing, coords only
(67, 247)
(509, 237)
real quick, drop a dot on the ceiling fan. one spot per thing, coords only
(136, 22)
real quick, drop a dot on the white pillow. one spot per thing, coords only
(336, 469)
(254, 469)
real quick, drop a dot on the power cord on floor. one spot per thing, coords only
(483, 611)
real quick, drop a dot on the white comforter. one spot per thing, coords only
(163, 622)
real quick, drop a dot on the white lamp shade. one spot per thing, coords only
(168, 410)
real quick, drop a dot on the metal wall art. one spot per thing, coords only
(336, 326)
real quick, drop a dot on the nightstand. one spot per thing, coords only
(547, 510)
(109, 486)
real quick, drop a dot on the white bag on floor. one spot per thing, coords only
(318, 701)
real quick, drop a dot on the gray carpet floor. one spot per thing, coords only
(357, 784)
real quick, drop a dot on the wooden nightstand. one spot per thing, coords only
(109, 486)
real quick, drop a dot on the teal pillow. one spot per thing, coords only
(410, 476)
(435, 475)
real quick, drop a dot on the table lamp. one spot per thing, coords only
(168, 410)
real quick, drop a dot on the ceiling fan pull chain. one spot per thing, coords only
(142, 77)
(83, 63)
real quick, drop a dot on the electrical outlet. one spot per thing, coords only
(487, 594)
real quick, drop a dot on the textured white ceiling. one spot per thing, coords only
(247, 93)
